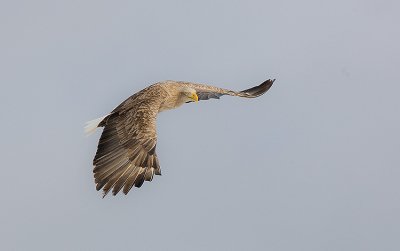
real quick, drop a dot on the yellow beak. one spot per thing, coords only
(195, 97)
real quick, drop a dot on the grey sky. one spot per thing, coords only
(311, 165)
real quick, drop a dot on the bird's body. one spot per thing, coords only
(126, 154)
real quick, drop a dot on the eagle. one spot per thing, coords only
(126, 153)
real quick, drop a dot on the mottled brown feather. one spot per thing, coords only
(128, 141)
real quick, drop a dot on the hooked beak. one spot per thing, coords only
(195, 97)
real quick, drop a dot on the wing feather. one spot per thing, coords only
(205, 92)
(140, 178)
(126, 154)
(131, 180)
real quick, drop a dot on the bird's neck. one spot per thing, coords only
(172, 102)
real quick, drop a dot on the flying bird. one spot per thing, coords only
(126, 154)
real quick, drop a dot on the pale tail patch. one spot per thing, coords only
(91, 126)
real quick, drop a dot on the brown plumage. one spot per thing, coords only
(126, 154)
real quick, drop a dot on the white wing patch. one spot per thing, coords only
(90, 126)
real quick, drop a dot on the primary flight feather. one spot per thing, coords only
(126, 153)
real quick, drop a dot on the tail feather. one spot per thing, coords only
(91, 125)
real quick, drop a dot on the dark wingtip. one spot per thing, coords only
(260, 89)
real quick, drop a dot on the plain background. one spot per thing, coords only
(311, 165)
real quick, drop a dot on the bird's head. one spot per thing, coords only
(189, 95)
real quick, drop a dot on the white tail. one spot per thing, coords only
(91, 125)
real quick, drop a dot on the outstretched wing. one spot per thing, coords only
(126, 155)
(205, 92)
